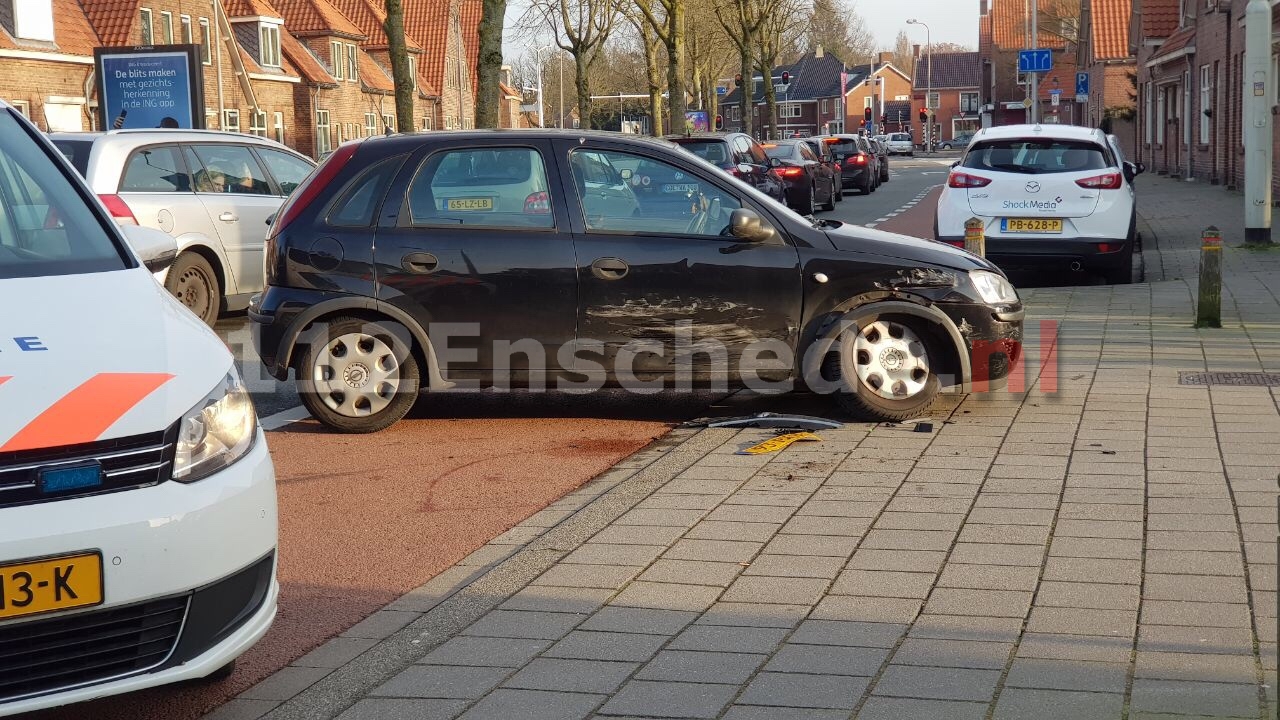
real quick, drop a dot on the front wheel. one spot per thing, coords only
(885, 373)
(191, 279)
(358, 376)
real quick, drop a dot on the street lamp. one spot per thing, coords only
(928, 93)
(537, 55)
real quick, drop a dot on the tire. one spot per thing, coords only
(1122, 275)
(830, 204)
(866, 187)
(192, 280)
(918, 385)
(222, 673)
(809, 207)
(838, 189)
(359, 376)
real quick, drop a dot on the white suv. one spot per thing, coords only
(1048, 196)
(212, 191)
(901, 144)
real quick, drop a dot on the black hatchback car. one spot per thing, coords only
(859, 163)
(810, 181)
(530, 259)
(738, 154)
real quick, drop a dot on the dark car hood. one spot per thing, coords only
(856, 238)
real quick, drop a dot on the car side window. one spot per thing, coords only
(288, 170)
(806, 153)
(155, 169)
(234, 165)
(648, 196)
(742, 151)
(503, 187)
(358, 201)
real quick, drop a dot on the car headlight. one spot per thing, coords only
(993, 288)
(215, 433)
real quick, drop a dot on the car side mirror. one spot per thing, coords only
(775, 163)
(745, 169)
(271, 218)
(747, 225)
(955, 164)
(1141, 168)
(157, 250)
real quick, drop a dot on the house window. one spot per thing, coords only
(413, 71)
(791, 111)
(826, 105)
(166, 27)
(204, 42)
(269, 44)
(1161, 107)
(1147, 117)
(144, 16)
(370, 124)
(185, 21)
(968, 102)
(231, 120)
(900, 98)
(278, 128)
(868, 102)
(428, 122)
(353, 70)
(335, 60)
(258, 123)
(1206, 98)
(21, 106)
(323, 141)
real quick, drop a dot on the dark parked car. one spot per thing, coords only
(858, 163)
(416, 262)
(828, 158)
(882, 157)
(809, 181)
(739, 155)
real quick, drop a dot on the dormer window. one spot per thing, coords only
(269, 45)
(29, 19)
(335, 60)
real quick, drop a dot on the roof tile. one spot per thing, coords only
(1110, 36)
(950, 71)
(1176, 42)
(1159, 18)
(311, 18)
(1009, 25)
(427, 22)
(310, 68)
(112, 19)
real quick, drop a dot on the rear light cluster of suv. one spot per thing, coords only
(1109, 181)
(119, 209)
(965, 180)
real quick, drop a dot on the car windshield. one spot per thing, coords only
(1038, 156)
(713, 151)
(76, 152)
(46, 224)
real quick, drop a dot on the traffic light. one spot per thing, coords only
(719, 122)
(737, 80)
(924, 115)
(866, 114)
(884, 119)
(786, 78)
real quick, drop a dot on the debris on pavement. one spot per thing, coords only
(781, 442)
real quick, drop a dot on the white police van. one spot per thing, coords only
(137, 498)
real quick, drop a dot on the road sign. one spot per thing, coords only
(1055, 97)
(1035, 61)
(1082, 83)
(1082, 98)
(721, 90)
(933, 100)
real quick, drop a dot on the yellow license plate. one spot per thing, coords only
(60, 583)
(471, 203)
(1032, 225)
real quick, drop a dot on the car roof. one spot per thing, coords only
(513, 134)
(1064, 132)
(143, 136)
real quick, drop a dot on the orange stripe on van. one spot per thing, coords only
(83, 414)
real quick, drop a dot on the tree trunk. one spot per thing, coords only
(653, 74)
(580, 84)
(675, 42)
(771, 105)
(489, 71)
(747, 88)
(400, 72)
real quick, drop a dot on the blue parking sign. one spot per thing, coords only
(1035, 61)
(1082, 83)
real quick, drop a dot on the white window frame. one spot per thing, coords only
(166, 26)
(388, 121)
(22, 106)
(868, 102)
(269, 45)
(324, 141)
(184, 21)
(1206, 100)
(278, 127)
(792, 110)
(1162, 107)
(900, 98)
(147, 28)
(353, 64)
(227, 116)
(258, 123)
(370, 124)
(413, 71)
(336, 61)
(206, 55)
(974, 105)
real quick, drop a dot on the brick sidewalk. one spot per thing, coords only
(1105, 551)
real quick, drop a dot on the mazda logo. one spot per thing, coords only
(1033, 187)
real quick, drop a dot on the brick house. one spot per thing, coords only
(46, 62)
(874, 86)
(957, 80)
(1005, 28)
(1106, 54)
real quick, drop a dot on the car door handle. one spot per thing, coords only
(420, 263)
(610, 269)
(228, 217)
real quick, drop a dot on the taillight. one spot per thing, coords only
(538, 203)
(791, 172)
(119, 209)
(965, 180)
(1110, 181)
(838, 167)
(859, 159)
(311, 188)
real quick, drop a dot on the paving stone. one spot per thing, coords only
(692, 572)
(494, 652)
(1098, 570)
(335, 653)
(998, 554)
(441, 681)
(725, 638)
(839, 632)
(937, 683)
(1196, 698)
(609, 577)
(402, 709)
(827, 659)
(1018, 704)
(1188, 639)
(754, 615)
(967, 627)
(902, 560)
(804, 691)
(750, 513)
(853, 527)
(991, 603)
(867, 609)
(666, 596)
(701, 667)
(524, 624)
(1008, 534)
(757, 712)
(1095, 548)
(1194, 588)
(909, 539)
(813, 545)
(886, 708)
(989, 577)
(1206, 541)
(1087, 595)
(561, 675)
(1093, 511)
(1094, 648)
(714, 550)
(609, 646)
(1083, 621)
(795, 566)
(1067, 675)
(638, 620)
(1198, 614)
(546, 598)
(667, 501)
(804, 591)
(953, 653)
(610, 554)
(1196, 666)
(670, 700)
(751, 532)
(505, 704)
(381, 624)
(639, 534)
(919, 521)
(883, 583)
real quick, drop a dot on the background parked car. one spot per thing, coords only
(859, 164)
(739, 155)
(808, 180)
(901, 144)
(212, 191)
(961, 140)
(882, 157)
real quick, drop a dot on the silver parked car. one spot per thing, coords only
(212, 191)
(901, 144)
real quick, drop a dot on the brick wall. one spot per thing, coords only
(32, 81)
(894, 85)
(946, 116)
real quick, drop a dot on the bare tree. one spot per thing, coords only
(837, 27)
(710, 55)
(903, 55)
(671, 27)
(401, 72)
(778, 34)
(651, 45)
(580, 27)
(489, 64)
(743, 21)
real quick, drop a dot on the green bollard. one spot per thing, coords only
(1209, 306)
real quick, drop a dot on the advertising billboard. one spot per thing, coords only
(697, 121)
(156, 86)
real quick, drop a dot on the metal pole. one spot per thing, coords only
(1259, 94)
(542, 120)
(928, 38)
(560, 121)
(1035, 77)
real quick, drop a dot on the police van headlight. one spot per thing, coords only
(215, 433)
(992, 288)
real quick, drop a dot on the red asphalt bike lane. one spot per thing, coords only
(916, 221)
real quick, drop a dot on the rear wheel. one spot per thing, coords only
(837, 187)
(885, 372)
(191, 279)
(359, 376)
(830, 204)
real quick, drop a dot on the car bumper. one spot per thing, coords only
(1054, 252)
(273, 314)
(202, 552)
(854, 176)
(993, 339)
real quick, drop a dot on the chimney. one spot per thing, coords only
(817, 51)
(886, 58)
(983, 7)
(915, 51)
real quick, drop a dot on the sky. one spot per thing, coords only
(954, 21)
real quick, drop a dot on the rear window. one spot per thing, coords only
(77, 153)
(780, 150)
(843, 146)
(1036, 157)
(489, 187)
(900, 137)
(713, 151)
